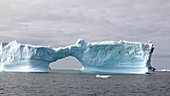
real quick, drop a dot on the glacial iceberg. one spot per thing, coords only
(96, 57)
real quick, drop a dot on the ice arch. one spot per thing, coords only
(106, 56)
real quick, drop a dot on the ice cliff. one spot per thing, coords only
(104, 57)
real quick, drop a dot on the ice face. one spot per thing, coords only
(115, 57)
(105, 56)
(28, 58)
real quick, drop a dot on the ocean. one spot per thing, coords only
(75, 83)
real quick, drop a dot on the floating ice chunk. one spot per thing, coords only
(103, 76)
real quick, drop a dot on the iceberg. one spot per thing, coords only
(164, 70)
(122, 57)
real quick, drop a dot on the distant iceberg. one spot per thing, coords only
(122, 57)
(165, 70)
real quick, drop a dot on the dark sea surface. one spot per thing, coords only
(74, 83)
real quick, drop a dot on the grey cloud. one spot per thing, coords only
(62, 22)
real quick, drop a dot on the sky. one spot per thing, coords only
(58, 23)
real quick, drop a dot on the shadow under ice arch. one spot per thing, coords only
(107, 56)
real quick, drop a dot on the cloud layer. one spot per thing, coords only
(62, 22)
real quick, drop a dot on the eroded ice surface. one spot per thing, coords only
(106, 56)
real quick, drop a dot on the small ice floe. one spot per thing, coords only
(103, 76)
(77, 69)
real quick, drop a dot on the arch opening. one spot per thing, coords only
(70, 63)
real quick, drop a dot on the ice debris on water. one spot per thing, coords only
(103, 76)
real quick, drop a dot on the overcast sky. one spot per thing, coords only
(61, 22)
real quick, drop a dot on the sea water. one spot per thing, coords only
(74, 83)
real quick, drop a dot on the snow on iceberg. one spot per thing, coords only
(105, 57)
